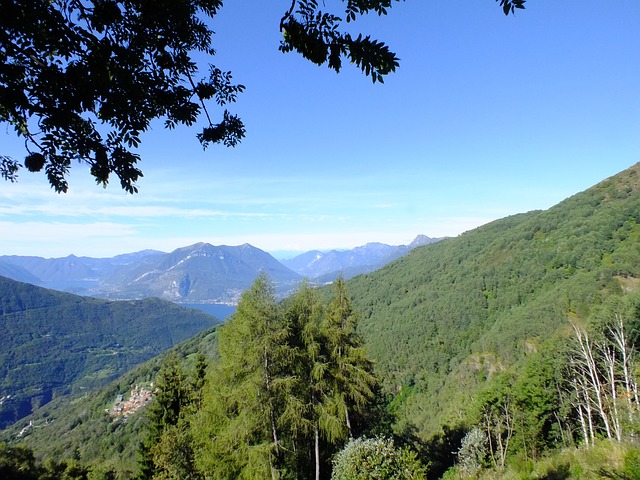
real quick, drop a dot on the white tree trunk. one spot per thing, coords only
(317, 451)
(586, 351)
(620, 341)
(609, 357)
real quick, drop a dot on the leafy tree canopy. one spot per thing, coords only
(82, 79)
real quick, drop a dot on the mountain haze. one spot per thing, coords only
(200, 273)
(81, 275)
(325, 266)
(16, 272)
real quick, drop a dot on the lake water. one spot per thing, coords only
(218, 310)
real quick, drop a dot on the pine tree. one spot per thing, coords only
(280, 402)
(335, 375)
(303, 315)
(354, 382)
(198, 382)
(167, 450)
(243, 409)
(321, 419)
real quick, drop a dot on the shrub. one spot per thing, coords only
(376, 458)
(473, 452)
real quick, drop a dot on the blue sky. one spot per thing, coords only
(486, 117)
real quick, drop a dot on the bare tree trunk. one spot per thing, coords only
(317, 450)
(499, 427)
(487, 419)
(609, 356)
(586, 351)
(510, 419)
(508, 428)
(346, 417)
(586, 398)
(274, 472)
(583, 423)
(272, 419)
(620, 341)
(561, 428)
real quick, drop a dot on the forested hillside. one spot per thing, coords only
(78, 426)
(53, 343)
(452, 314)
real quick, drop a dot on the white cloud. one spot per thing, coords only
(61, 239)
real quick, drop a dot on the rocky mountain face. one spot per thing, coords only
(200, 273)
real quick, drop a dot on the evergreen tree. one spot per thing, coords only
(199, 380)
(172, 395)
(336, 377)
(303, 315)
(280, 401)
(354, 382)
(243, 409)
(174, 456)
(322, 420)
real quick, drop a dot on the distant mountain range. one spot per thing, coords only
(323, 266)
(196, 274)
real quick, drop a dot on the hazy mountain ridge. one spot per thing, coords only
(197, 274)
(200, 273)
(18, 273)
(325, 266)
(72, 274)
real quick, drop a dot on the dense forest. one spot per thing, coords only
(507, 352)
(54, 343)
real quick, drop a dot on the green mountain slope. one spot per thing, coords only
(53, 343)
(79, 426)
(449, 315)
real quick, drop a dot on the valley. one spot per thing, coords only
(473, 335)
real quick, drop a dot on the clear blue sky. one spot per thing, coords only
(486, 117)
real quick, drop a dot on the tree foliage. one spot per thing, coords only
(291, 384)
(167, 450)
(240, 419)
(376, 458)
(83, 79)
(442, 322)
(36, 367)
(473, 452)
(19, 463)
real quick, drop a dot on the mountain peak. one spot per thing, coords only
(422, 240)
